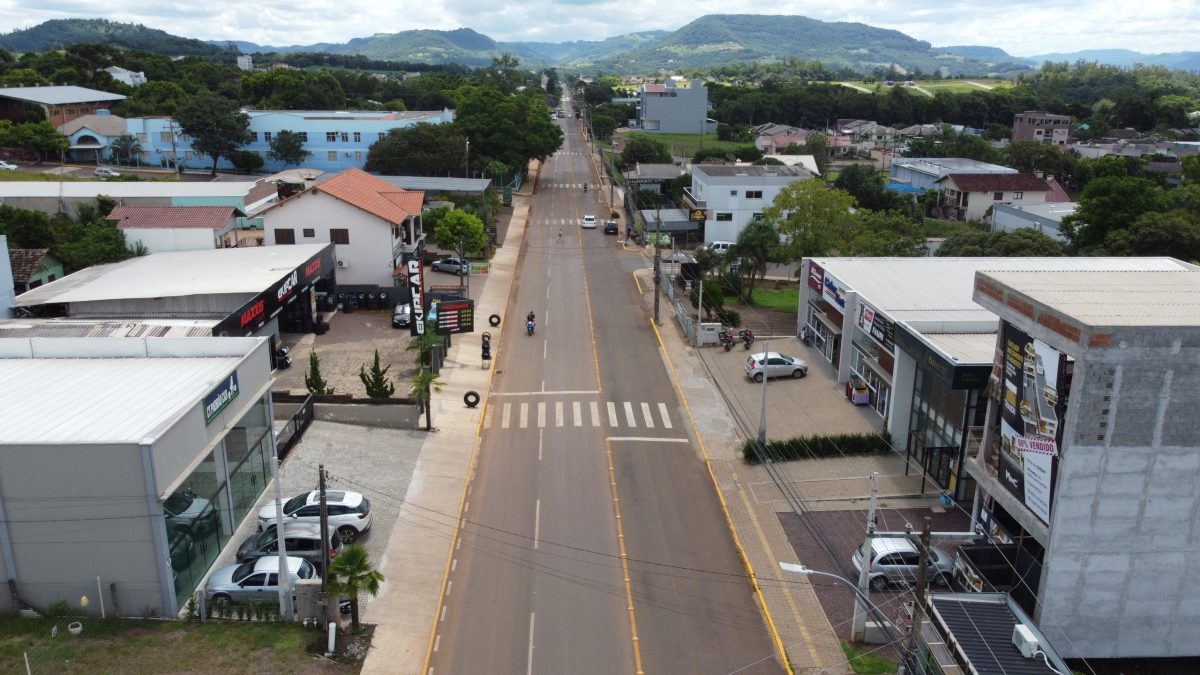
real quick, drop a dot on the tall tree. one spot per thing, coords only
(512, 129)
(1022, 243)
(811, 219)
(288, 147)
(420, 150)
(756, 245)
(1109, 204)
(125, 146)
(216, 124)
(644, 150)
(352, 574)
(459, 231)
(154, 98)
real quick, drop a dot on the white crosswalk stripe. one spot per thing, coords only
(595, 408)
(504, 416)
(666, 418)
(577, 413)
(558, 414)
(646, 415)
(541, 414)
(628, 415)
(612, 414)
(526, 415)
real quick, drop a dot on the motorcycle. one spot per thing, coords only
(529, 326)
(726, 340)
(282, 360)
(747, 337)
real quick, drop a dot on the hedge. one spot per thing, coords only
(817, 447)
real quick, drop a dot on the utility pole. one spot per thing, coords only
(699, 306)
(919, 603)
(762, 412)
(657, 261)
(858, 632)
(285, 578)
(467, 160)
(331, 605)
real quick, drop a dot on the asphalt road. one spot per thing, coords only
(591, 517)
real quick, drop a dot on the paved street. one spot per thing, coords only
(591, 517)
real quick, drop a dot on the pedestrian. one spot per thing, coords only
(560, 234)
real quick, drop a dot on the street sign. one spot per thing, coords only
(455, 316)
(698, 215)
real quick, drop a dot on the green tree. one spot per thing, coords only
(424, 383)
(869, 188)
(216, 124)
(289, 89)
(1021, 243)
(126, 147)
(421, 150)
(351, 574)
(23, 77)
(886, 234)
(376, 382)
(714, 299)
(514, 129)
(288, 147)
(1191, 168)
(313, 380)
(811, 219)
(41, 137)
(1108, 204)
(756, 245)
(155, 98)
(1173, 233)
(644, 150)
(1034, 156)
(498, 171)
(25, 228)
(246, 161)
(459, 231)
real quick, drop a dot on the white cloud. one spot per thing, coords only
(1021, 27)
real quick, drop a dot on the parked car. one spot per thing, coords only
(402, 316)
(302, 540)
(610, 227)
(719, 247)
(349, 512)
(589, 222)
(185, 512)
(895, 560)
(5, 166)
(458, 266)
(105, 172)
(777, 365)
(255, 579)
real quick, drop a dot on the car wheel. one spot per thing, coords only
(797, 373)
(222, 597)
(940, 580)
(347, 534)
(879, 583)
(758, 377)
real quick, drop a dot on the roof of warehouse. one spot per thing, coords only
(964, 348)
(89, 189)
(941, 289)
(1113, 298)
(176, 273)
(58, 95)
(133, 398)
(172, 217)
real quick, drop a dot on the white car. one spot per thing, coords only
(105, 172)
(589, 222)
(777, 365)
(349, 512)
(5, 166)
(256, 579)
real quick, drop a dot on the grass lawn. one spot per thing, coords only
(126, 646)
(16, 176)
(781, 300)
(934, 86)
(686, 145)
(865, 663)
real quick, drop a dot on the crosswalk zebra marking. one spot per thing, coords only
(612, 414)
(595, 409)
(524, 415)
(646, 414)
(577, 413)
(666, 419)
(504, 415)
(558, 413)
(629, 414)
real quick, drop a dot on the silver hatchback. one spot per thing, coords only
(896, 560)
(776, 365)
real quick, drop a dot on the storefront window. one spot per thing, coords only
(936, 433)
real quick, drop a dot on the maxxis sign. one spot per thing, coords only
(268, 304)
(1031, 412)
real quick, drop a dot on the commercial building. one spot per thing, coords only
(244, 291)
(921, 174)
(1091, 459)
(1045, 218)
(905, 337)
(731, 196)
(1043, 127)
(65, 197)
(60, 104)
(125, 466)
(673, 109)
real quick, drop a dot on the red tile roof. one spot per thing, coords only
(26, 262)
(1057, 193)
(997, 182)
(377, 197)
(171, 217)
(655, 88)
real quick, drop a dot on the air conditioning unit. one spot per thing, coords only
(349, 154)
(1025, 640)
(342, 264)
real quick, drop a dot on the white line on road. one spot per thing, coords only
(595, 409)
(487, 417)
(666, 418)
(443, 614)
(612, 414)
(646, 414)
(541, 414)
(537, 522)
(547, 292)
(449, 584)
(558, 413)
(505, 414)
(529, 668)
(524, 415)
(628, 415)
(437, 642)
(539, 445)
(543, 392)
(646, 439)
(453, 564)
(544, 346)
(577, 413)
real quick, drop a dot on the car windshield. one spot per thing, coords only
(244, 570)
(264, 538)
(306, 570)
(178, 502)
(295, 503)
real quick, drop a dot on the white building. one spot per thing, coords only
(245, 62)
(178, 228)
(129, 77)
(1045, 218)
(971, 196)
(732, 196)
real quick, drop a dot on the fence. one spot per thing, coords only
(293, 430)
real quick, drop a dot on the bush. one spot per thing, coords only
(817, 447)
(62, 608)
(731, 285)
(729, 317)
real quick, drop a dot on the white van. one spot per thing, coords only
(720, 247)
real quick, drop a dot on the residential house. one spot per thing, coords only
(921, 174)
(32, 267)
(181, 228)
(375, 226)
(59, 104)
(853, 137)
(773, 138)
(732, 196)
(971, 196)
(129, 77)
(670, 108)
(1044, 127)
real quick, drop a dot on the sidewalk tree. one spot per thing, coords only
(352, 574)
(811, 220)
(376, 381)
(313, 380)
(459, 231)
(644, 150)
(217, 125)
(288, 147)
(424, 383)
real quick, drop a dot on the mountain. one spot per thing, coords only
(1125, 58)
(979, 53)
(59, 33)
(589, 51)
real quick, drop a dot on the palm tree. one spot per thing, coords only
(125, 145)
(351, 573)
(424, 383)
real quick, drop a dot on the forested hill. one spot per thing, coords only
(59, 33)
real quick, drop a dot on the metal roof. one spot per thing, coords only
(90, 189)
(965, 349)
(176, 273)
(751, 170)
(58, 95)
(433, 183)
(118, 390)
(979, 629)
(1112, 298)
(61, 328)
(1054, 211)
(939, 290)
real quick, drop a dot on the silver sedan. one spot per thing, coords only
(777, 365)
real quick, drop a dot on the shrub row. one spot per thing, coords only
(816, 447)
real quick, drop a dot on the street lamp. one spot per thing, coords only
(858, 592)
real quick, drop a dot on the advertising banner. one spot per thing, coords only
(220, 397)
(455, 316)
(816, 277)
(880, 328)
(1030, 416)
(416, 284)
(834, 292)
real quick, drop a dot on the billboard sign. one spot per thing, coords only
(816, 277)
(455, 316)
(268, 304)
(880, 328)
(220, 397)
(834, 292)
(416, 285)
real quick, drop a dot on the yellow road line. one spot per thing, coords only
(638, 283)
(612, 480)
(737, 542)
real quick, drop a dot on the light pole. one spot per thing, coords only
(801, 569)
(762, 413)
(657, 261)
(467, 160)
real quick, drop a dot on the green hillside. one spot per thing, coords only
(59, 33)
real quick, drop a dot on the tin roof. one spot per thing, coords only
(1112, 297)
(58, 95)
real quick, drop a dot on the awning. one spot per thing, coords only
(828, 323)
(86, 146)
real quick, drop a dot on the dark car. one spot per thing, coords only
(610, 227)
(402, 316)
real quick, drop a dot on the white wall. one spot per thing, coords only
(715, 191)
(368, 258)
(161, 240)
(979, 202)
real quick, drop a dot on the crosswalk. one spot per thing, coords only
(557, 221)
(597, 414)
(563, 186)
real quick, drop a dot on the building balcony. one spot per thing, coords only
(691, 201)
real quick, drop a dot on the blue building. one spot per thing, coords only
(338, 140)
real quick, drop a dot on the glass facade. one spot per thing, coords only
(866, 362)
(207, 507)
(944, 422)
(823, 339)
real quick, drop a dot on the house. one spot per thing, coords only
(732, 196)
(246, 195)
(670, 108)
(375, 226)
(921, 174)
(59, 104)
(32, 267)
(971, 196)
(129, 77)
(180, 228)
(91, 137)
(852, 137)
(1045, 218)
(773, 138)
(656, 178)
(1044, 127)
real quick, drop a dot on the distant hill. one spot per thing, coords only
(59, 33)
(1125, 58)
(979, 53)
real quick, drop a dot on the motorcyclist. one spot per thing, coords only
(585, 187)
(530, 318)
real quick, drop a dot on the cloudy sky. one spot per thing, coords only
(1021, 27)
